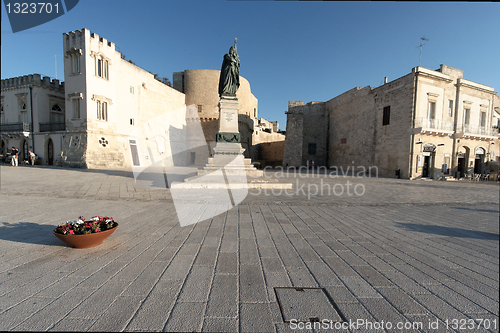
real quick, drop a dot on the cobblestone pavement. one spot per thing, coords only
(393, 251)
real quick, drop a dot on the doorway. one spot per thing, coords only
(479, 161)
(50, 152)
(461, 167)
(426, 167)
(23, 154)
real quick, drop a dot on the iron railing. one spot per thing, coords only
(434, 124)
(15, 127)
(479, 130)
(51, 127)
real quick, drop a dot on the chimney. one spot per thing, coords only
(385, 80)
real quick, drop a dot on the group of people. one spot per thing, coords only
(15, 156)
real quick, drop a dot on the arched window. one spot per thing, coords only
(56, 114)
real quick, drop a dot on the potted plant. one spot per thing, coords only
(84, 234)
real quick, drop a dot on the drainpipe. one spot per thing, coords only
(413, 112)
(454, 147)
(32, 122)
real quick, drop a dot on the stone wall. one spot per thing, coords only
(307, 134)
(392, 141)
(352, 128)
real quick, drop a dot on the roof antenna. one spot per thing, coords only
(422, 39)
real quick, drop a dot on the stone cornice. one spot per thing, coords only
(476, 86)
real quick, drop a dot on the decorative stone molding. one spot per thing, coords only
(75, 95)
(228, 137)
(102, 98)
(72, 51)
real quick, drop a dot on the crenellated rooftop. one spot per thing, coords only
(32, 80)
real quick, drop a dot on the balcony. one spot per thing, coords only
(476, 132)
(52, 127)
(15, 127)
(433, 127)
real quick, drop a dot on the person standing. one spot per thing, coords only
(14, 153)
(32, 157)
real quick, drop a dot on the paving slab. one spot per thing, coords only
(403, 252)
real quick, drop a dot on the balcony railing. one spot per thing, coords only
(478, 130)
(15, 127)
(51, 127)
(434, 124)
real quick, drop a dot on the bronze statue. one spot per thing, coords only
(229, 80)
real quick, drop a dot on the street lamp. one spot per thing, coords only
(444, 166)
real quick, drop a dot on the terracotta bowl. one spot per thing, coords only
(87, 240)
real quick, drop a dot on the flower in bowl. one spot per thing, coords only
(83, 227)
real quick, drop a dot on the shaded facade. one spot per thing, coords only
(427, 124)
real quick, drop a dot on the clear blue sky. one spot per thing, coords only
(289, 50)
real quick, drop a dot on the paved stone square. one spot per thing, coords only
(396, 251)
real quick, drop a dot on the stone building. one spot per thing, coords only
(32, 107)
(426, 124)
(111, 113)
(108, 98)
(268, 143)
(306, 134)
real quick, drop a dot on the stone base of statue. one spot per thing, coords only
(228, 166)
(228, 152)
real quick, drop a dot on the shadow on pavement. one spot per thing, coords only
(479, 210)
(448, 231)
(29, 232)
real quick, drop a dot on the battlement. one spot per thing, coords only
(102, 40)
(76, 39)
(32, 80)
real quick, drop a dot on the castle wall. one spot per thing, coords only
(306, 134)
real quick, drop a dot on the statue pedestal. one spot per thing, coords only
(228, 152)
(228, 169)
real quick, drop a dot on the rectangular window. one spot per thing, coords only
(24, 117)
(132, 121)
(466, 116)
(76, 108)
(131, 90)
(311, 149)
(482, 119)
(200, 108)
(387, 116)
(254, 112)
(102, 110)
(99, 67)
(102, 68)
(450, 108)
(105, 69)
(75, 64)
(432, 110)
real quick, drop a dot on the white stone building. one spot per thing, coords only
(111, 113)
